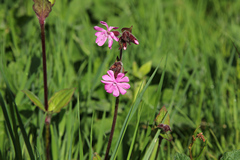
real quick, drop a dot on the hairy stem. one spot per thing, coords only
(44, 65)
(48, 118)
(113, 127)
(47, 136)
(121, 54)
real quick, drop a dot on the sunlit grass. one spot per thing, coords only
(197, 79)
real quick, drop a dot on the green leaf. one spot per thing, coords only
(151, 147)
(96, 156)
(145, 69)
(181, 156)
(166, 136)
(42, 8)
(52, 2)
(34, 99)
(60, 99)
(160, 117)
(135, 69)
(232, 155)
(142, 71)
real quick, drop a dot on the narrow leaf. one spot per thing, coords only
(24, 133)
(151, 147)
(34, 99)
(60, 99)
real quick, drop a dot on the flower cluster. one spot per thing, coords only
(115, 80)
(103, 35)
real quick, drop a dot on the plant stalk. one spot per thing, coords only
(48, 118)
(113, 128)
(121, 54)
(44, 64)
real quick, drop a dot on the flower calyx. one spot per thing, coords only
(117, 67)
(127, 37)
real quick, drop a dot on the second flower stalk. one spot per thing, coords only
(116, 81)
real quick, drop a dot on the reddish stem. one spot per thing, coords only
(48, 118)
(113, 128)
(44, 64)
(121, 54)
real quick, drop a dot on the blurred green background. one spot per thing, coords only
(190, 41)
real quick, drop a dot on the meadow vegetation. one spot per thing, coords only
(186, 60)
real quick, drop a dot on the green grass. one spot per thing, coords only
(197, 78)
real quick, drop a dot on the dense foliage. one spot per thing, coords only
(192, 43)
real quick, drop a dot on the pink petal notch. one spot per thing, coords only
(104, 35)
(116, 86)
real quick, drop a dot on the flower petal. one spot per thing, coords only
(107, 78)
(110, 28)
(104, 23)
(136, 42)
(98, 28)
(124, 79)
(115, 91)
(110, 42)
(122, 91)
(111, 74)
(109, 88)
(113, 36)
(106, 82)
(124, 45)
(99, 33)
(133, 39)
(123, 85)
(101, 40)
(119, 76)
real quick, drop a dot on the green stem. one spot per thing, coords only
(113, 127)
(159, 144)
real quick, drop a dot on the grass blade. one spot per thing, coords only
(151, 147)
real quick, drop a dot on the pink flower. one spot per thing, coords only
(103, 35)
(117, 85)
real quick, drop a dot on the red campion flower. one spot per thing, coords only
(127, 37)
(103, 35)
